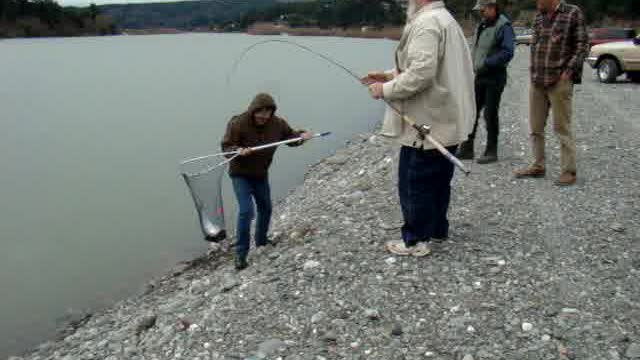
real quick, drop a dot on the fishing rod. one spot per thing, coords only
(424, 131)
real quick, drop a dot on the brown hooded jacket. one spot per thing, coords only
(243, 132)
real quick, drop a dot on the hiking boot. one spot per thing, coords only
(566, 179)
(398, 247)
(465, 152)
(488, 158)
(439, 239)
(421, 249)
(267, 242)
(529, 172)
(241, 262)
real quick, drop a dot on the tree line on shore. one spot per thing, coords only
(377, 13)
(48, 18)
(34, 18)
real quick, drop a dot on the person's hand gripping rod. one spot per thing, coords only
(424, 132)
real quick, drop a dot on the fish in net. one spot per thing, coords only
(203, 176)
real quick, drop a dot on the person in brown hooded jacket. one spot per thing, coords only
(249, 172)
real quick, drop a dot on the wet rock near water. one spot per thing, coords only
(530, 270)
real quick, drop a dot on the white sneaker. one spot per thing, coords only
(398, 247)
(421, 249)
(214, 248)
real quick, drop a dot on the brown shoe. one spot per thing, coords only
(531, 171)
(566, 179)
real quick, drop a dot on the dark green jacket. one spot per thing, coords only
(494, 46)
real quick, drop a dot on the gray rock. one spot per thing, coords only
(396, 330)
(269, 348)
(372, 314)
(618, 227)
(318, 317)
(613, 355)
(146, 323)
(229, 283)
(330, 337)
(633, 351)
(337, 160)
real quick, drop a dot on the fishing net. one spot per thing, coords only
(203, 176)
(204, 181)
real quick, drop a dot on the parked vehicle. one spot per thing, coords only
(599, 36)
(616, 58)
(524, 36)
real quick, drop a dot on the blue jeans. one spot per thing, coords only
(247, 191)
(424, 186)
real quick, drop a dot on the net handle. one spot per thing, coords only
(261, 147)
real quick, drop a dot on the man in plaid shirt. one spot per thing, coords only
(559, 47)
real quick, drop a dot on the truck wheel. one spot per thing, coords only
(608, 71)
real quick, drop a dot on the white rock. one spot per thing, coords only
(310, 264)
(527, 326)
(390, 260)
(471, 329)
(546, 338)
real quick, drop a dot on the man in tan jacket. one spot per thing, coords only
(432, 83)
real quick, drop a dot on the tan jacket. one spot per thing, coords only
(434, 81)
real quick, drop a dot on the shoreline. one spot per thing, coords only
(530, 271)
(391, 33)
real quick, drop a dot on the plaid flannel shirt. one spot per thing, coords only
(560, 44)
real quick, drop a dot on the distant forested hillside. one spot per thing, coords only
(184, 14)
(31, 18)
(238, 14)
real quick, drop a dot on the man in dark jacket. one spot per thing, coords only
(250, 171)
(492, 52)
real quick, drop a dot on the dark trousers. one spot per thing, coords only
(489, 90)
(247, 191)
(424, 186)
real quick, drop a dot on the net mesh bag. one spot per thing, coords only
(206, 190)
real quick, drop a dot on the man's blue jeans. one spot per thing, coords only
(247, 191)
(424, 186)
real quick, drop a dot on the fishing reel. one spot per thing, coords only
(423, 130)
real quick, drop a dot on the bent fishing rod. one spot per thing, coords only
(424, 131)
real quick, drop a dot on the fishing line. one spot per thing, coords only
(424, 132)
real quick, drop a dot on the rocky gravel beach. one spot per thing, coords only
(531, 271)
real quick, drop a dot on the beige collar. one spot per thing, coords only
(429, 7)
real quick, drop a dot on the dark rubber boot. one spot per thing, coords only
(241, 262)
(491, 152)
(466, 151)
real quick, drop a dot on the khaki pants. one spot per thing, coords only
(558, 99)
